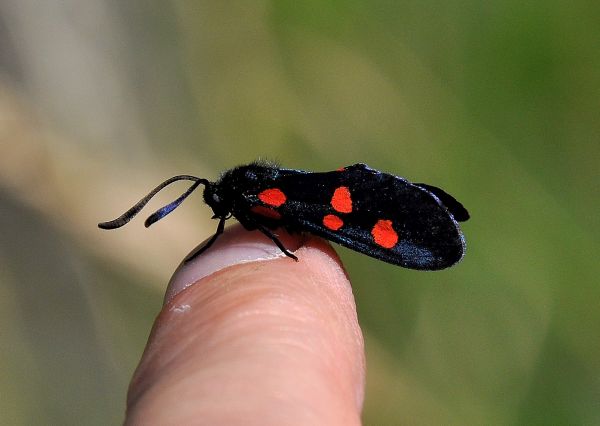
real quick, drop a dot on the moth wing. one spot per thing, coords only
(391, 219)
(452, 204)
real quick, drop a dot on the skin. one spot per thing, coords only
(250, 337)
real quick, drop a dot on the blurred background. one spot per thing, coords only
(496, 102)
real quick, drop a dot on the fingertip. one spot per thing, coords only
(234, 246)
(275, 338)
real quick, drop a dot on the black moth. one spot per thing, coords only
(413, 225)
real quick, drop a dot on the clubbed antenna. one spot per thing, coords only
(162, 212)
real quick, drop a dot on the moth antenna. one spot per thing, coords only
(163, 211)
(130, 214)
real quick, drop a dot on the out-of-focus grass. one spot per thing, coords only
(497, 103)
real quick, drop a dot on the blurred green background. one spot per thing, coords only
(496, 102)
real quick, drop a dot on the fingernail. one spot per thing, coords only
(235, 246)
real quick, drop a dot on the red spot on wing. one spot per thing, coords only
(272, 196)
(332, 222)
(383, 234)
(341, 200)
(341, 169)
(266, 212)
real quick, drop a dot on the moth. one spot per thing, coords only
(413, 225)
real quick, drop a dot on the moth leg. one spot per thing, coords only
(202, 249)
(274, 238)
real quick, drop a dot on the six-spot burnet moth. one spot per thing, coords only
(413, 225)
